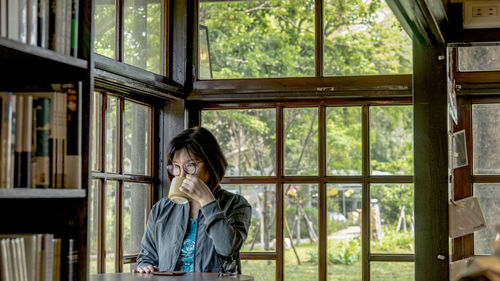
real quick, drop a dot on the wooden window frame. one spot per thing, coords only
(365, 179)
(120, 177)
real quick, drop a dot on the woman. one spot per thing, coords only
(207, 232)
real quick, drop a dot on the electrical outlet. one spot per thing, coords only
(481, 14)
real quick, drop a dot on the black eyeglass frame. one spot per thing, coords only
(172, 167)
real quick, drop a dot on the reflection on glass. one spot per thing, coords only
(391, 140)
(301, 141)
(363, 37)
(109, 226)
(260, 270)
(247, 138)
(93, 224)
(134, 215)
(112, 131)
(479, 58)
(489, 200)
(105, 27)
(485, 134)
(204, 64)
(394, 271)
(262, 232)
(301, 231)
(343, 141)
(143, 34)
(344, 231)
(391, 219)
(97, 131)
(137, 139)
(260, 39)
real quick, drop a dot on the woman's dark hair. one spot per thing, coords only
(200, 143)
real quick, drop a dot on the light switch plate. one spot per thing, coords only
(481, 14)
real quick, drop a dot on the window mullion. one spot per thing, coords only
(279, 193)
(322, 205)
(365, 197)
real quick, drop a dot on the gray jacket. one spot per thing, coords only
(222, 228)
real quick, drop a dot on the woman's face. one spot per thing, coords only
(182, 157)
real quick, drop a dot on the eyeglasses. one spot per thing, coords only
(189, 168)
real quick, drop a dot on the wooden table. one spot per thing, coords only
(190, 276)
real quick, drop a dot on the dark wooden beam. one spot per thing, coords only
(423, 20)
(431, 162)
(182, 21)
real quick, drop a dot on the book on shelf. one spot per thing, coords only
(40, 138)
(37, 257)
(51, 24)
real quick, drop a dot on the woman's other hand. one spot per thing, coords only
(197, 190)
(145, 269)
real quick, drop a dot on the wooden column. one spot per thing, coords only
(431, 162)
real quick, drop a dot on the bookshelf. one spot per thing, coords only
(30, 68)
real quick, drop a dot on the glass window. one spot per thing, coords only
(93, 218)
(262, 232)
(143, 34)
(364, 38)
(137, 137)
(134, 216)
(259, 39)
(260, 270)
(394, 271)
(343, 141)
(485, 135)
(344, 231)
(96, 131)
(110, 225)
(112, 131)
(391, 218)
(301, 141)
(301, 231)
(247, 138)
(479, 58)
(489, 198)
(391, 140)
(105, 28)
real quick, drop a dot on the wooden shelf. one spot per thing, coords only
(32, 193)
(18, 57)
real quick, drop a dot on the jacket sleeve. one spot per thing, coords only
(149, 251)
(227, 231)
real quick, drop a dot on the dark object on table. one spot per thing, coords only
(168, 273)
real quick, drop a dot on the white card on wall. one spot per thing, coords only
(465, 217)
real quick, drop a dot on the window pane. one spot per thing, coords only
(109, 226)
(134, 216)
(260, 270)
(489, 200)
(143, 32)
(97, 132)
(485, 135)
(301, 223)
(105, 27)
(343, 141)
(479, 58)
(137, 139)
(112, 131)
(93, 224)
(391, 140)
(391, 219)
(257, 39)
(301, 141)
(247, 138)
(344, 231)
(394, 271)
(363, 37)
(262, 233)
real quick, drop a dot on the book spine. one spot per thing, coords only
(74, 27)
(18, 144)
(52, 24)
(13, 19)
(32, 22)
(72, 260)
(60, 25)
(27, 138)
(72, 162)
(43, 23)
(7, 139)
(23, 20)
(42, 156)
(3, 18)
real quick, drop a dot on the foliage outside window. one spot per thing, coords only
(120, 194)
(263, 39)
(143, 32)
(391, 229)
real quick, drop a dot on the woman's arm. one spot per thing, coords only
(227, 231)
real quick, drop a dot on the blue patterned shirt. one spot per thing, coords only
(186, 257)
